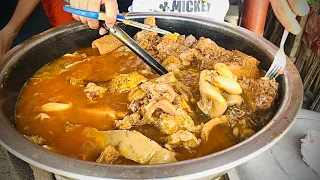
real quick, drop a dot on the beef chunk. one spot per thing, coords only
(211, 53)
(37, 139)
(126, 82)
(208, 48)
(54, 106)
(107, 44)
(244, 65)
(188, 56)
(128, 121)
(189, 41)
(151, 21)
(42, 116)
(171, 45)
(94, 91)
(259, 94)
(108, 155)
(182, 138)
(68, 127)
(148, 40)
(76, 82)
(122, 51)
(239, 63)
(173, 64)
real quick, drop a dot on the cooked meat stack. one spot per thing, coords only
(228, 85)
(224, 85)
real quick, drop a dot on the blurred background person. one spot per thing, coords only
(22, 19)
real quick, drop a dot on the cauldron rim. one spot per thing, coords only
(194, 168)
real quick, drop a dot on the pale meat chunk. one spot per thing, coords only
(162, 156)
(171, 45)
(37, 139)
(148, 40)
(170, 124)
(188, 56)
(210, 54)
(244, 65)
(106, 44)
(128, 121)
(76, 82)
(137, 147)
(68, 127)
(99, 112)
(42, 116)
(53, 107)
(122, 51)
(172, 60)
(151, 21)
(94, 91)
(126, 82)
(210, 125)
(259, 94)
(108, 155)
(208, 48)
(189, 41)
(173, 64)
(182, 138)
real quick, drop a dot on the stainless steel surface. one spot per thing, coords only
(131, 44)
(204, 167)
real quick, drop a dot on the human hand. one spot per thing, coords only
(111, 7)
(6, 38)
(287, 10)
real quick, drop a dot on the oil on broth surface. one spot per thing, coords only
(48, 85)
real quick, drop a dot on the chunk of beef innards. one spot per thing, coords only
(107, 44)
(148, 40)
(259, 94)
(108, 155)
(69, 127)
(208, 48)
(37, 139)
(94, 91)
(128, 121)
(151, 21)
(244, 65)
(54, 107)
(182, 138)
(189, 41)
(126, 82)
(171, 45)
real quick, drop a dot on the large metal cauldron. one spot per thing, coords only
(23, 61)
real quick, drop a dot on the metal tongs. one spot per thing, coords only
(123, 36)
(102, 16)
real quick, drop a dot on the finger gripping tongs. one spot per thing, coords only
(123, 36)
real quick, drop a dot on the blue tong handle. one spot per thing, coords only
(89, 14)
